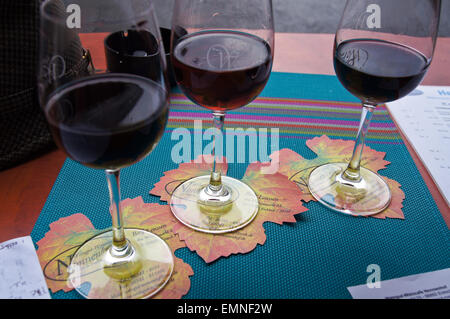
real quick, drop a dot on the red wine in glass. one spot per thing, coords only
(378, 71)
(108, 121)
(222, 70)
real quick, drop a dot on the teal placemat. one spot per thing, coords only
(321, 254)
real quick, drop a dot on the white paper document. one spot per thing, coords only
(424, 117)
(21, 275)
(430, 285)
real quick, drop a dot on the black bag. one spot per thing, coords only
(23, 129)
(24, 132)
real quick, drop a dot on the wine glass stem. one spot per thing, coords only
(352, 173)
(215, 182)
(120, 245)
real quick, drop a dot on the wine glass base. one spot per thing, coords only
(214, 217)
(141, 277)
(368, 197)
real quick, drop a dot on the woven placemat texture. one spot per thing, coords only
(323, 252)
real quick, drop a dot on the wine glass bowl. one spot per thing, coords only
(382, 51)
(107, 110)
(213, 71)
(76, 117)
(389, 73)
(222, 54)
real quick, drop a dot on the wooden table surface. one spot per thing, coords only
(24, 189)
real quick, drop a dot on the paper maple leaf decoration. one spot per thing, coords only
(297, 168)
(279, 201)
(68, 233)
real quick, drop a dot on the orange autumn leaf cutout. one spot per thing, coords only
(68, 233)
(279, 201)
(297, 168)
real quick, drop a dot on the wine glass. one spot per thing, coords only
(382, 51)
(222, 53)
(107, 118)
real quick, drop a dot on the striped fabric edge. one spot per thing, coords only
(295, 118)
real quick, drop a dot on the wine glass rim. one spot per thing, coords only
(62, 19)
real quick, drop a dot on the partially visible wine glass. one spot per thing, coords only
(382, 51)
(222, 53)
(106, 119)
